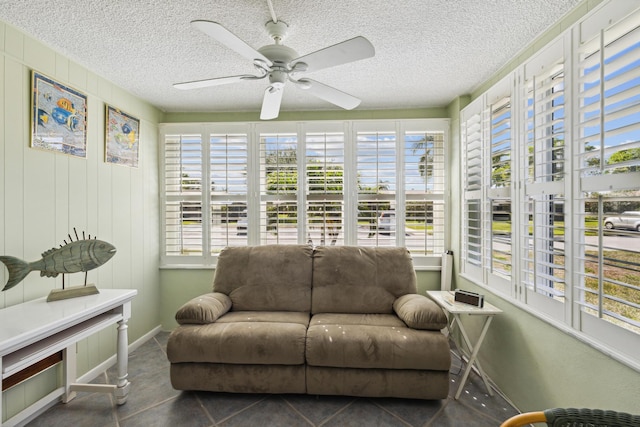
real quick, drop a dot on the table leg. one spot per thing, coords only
(474, 354)
(122, 388)
(69, 372)
(1, 403)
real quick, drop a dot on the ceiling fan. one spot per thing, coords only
(281, 63)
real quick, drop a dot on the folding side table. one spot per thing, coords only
(456, 310)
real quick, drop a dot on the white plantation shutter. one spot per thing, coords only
(424, 192)
(471, 139)
(228, 163)
(545, 166)
(608, 159)
(543, 204)
(234, 184)
(486, 130)
(325, 160)
(499, 219)
(279, 184)
(500, 112)
(377, 183)
(183, 220)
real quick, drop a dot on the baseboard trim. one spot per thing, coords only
(93, 373)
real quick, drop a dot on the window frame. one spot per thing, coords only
(609, 19)
(256, 196)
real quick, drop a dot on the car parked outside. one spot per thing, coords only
(387, 223)
(628, 219)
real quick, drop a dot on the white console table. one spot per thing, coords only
(35, 332)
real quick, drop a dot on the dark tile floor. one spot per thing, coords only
(153, 402)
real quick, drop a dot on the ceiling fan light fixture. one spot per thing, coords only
(278, 78)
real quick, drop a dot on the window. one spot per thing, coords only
(471, 136)
(183, 191)
(499, 191)
(542, 161)
(486, 131)
(551, 171)
(607, 273)
(365, 183)
(324, 167)
(278, 220)
(377, 187)
(424, 190)
(228, 179)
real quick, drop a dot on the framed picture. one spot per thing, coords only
(122, 138)
(58, 117)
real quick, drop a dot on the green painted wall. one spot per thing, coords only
(43, 195)
(539, 366)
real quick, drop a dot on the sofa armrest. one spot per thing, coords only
(420, 312)
(206, 308)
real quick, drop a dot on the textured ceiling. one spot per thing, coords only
(427, 51)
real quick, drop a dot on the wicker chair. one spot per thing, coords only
(571, 417)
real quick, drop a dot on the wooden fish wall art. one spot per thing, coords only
(74, 256)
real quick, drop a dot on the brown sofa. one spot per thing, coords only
(330, 320)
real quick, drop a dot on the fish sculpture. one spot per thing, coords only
(72, 257)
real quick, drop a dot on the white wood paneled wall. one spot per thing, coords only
(44, 195)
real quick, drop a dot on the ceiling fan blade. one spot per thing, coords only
(271, 102)
(196, 84)
(350, 50)
(329, 94)
(230, 40)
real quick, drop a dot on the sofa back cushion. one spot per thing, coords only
(266, 278)
(350, 279)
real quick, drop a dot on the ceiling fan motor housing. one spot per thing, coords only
(279, 54)
(277, 30)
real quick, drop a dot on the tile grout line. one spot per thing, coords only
(298, 412)
(146, 408)
(390, 412)
(241, 411)
(326, 420)
(206, 412)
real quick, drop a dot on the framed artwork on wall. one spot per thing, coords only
(58, 117)
(122, 137)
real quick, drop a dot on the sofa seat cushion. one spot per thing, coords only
(352, 345)
(266, 316)
(357, 319)
(241, 342)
